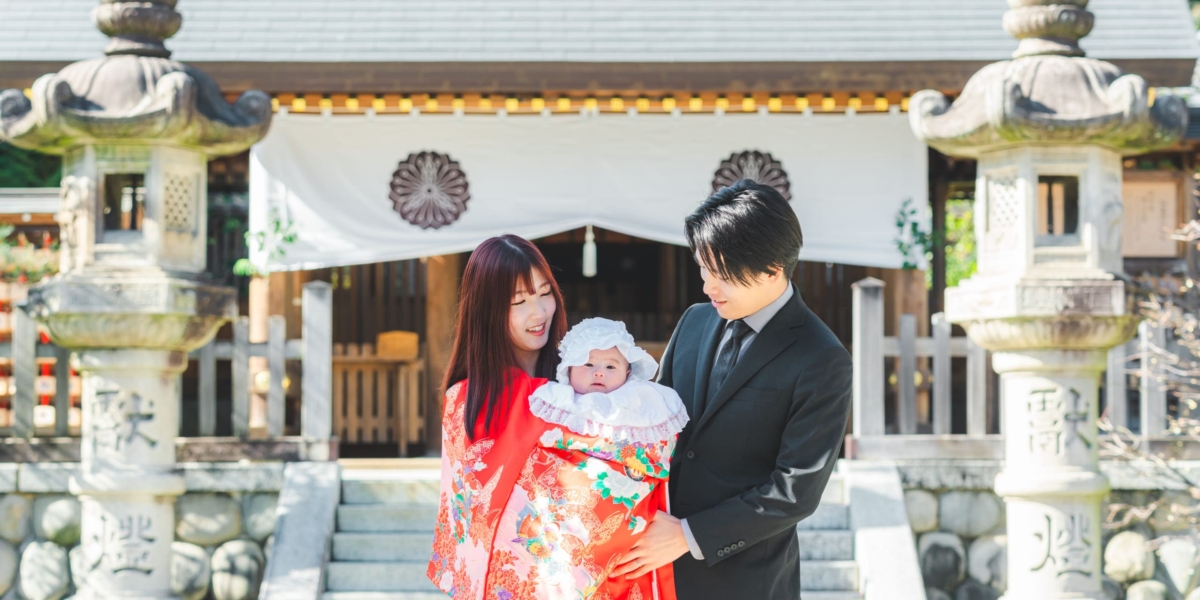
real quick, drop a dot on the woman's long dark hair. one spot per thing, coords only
(483, 349)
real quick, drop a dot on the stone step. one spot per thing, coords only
(403, 596)
(422, 487)
(386, 518)
(828, 575)
(406, 576)
(827, 516)
(409, 576)
(382, 547)
(835, 490)
(400, 487)
(440, 596)
(826, 545)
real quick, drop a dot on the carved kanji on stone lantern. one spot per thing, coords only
(1049, 129)
(136, 131)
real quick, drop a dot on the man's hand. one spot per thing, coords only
(662, 543)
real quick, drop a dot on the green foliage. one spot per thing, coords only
(25, 168)
(273, 241)
(1195, 6)
(912, 239)
(960, 241)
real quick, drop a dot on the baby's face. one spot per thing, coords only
(605, 371)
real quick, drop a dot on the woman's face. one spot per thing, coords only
(530, 315)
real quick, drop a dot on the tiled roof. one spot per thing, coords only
(593, 30)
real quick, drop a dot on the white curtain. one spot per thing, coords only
(329, 177)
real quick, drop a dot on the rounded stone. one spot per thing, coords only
(969, 514)
(8, 566)
(1178, 557)
(44, 574)
(974, 590)
(936, 594)
(15, 512)
(268, 546)
(237, 570)
(1111, 589)
(258, 514)
(207, 519)
(987, 561)
(1127, 558)
(76, 558)
(58, 519)
(190, 571)
(943, 560)
(922, 510)
(1148, 590)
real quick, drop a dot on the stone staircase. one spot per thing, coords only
(827, 567)
(385, 530)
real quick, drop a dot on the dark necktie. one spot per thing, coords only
(727, 358)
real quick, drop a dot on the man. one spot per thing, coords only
(767, 387)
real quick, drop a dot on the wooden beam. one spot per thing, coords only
(442, 274)
(509, 77)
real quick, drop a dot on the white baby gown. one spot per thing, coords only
(639, 411)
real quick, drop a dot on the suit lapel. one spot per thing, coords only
(774, 338)
(704, 361)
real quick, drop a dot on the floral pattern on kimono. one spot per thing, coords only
(539, 512)
(578, 506)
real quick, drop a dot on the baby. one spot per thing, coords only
(598, 474)
(604, 388)
(605, 371)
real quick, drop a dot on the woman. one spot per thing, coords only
(510, 525)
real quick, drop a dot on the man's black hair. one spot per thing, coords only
(745, 230)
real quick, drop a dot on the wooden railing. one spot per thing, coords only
(377, 399)
(30, 373)
(872, 351)
(909, 437)
(26, 419)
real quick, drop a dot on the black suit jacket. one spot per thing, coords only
(756, 462)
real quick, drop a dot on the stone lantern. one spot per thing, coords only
(1049, 129)
(135, 130)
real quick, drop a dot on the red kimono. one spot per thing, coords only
(539, 512)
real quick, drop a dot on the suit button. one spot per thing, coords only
(720, 553)
(691, 454)
(741, 544)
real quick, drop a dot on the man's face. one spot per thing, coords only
(734, 300)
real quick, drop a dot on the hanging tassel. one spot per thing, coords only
(589, 253)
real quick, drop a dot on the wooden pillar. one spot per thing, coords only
(938, 190)
(867, 352)
(442, 276)
(260, 311)
(906, 295)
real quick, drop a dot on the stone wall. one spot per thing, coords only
(223, 531)
(958, 524)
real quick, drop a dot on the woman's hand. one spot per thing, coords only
(662, 543)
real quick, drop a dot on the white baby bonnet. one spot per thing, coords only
(639, 411)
